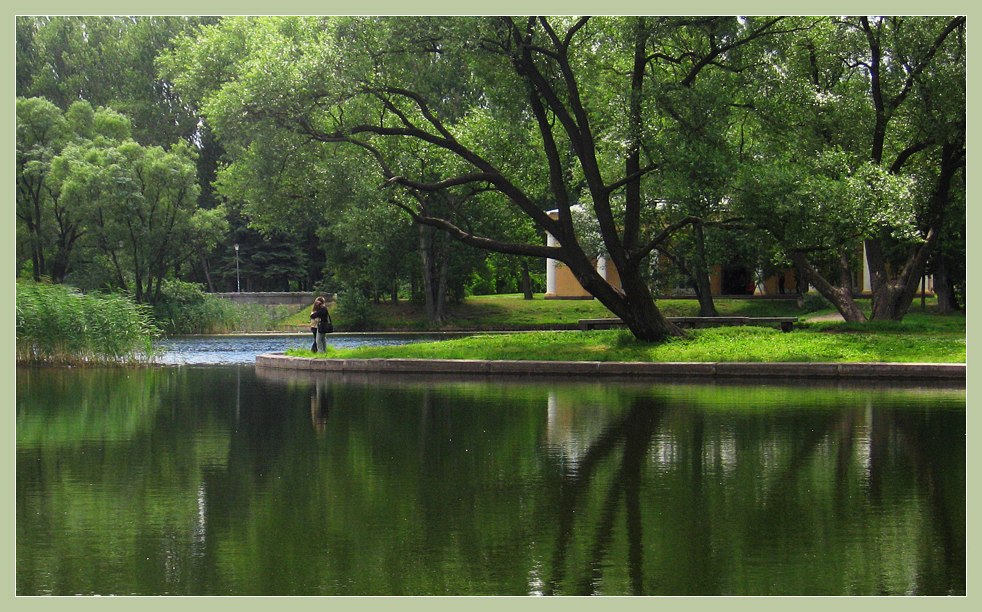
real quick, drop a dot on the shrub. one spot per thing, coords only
(355, 310)
(184, 308)
(814, 302)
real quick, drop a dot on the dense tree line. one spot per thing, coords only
(393, 155)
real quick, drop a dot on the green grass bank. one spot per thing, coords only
(920, 338)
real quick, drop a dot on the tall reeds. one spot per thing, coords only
(57, 324)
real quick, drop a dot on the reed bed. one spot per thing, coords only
(57, 324)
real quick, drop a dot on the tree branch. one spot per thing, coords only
(717, 51)
(916, 72)
(463, 179)
(481, 242)
(662, 236)
(633, 177)
(573, 30)
(906, 154)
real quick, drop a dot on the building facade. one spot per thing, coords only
(734, 279)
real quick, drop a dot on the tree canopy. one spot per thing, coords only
(835, 144)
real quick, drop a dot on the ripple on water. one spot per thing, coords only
(226, 350)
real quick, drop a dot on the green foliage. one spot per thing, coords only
(109, 61)
(184, 308)
(57, 324)
(138, 205)
(770, 120)
(354, 310)
(92, 200)
(842, 152)
(814, 302)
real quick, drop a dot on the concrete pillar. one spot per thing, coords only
(550, 268)
(866, 286)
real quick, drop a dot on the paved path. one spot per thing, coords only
(834, 316)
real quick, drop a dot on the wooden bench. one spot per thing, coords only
(785, 323)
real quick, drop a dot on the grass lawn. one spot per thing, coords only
(921, 337)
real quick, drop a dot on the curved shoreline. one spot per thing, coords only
(754, 370)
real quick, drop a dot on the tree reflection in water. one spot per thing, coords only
(809, 471)
(236, 481)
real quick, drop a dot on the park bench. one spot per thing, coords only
(785, 323)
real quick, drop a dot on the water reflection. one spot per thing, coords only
(320, 402)
(165, 481)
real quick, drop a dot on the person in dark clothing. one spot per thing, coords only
(320, 324)
(313, 326)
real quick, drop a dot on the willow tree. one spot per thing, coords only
(860, 144)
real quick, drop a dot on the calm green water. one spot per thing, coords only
(224, 480)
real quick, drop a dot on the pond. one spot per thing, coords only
(244, 348)
(225, 480)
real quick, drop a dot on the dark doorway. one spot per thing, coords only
(737, 280)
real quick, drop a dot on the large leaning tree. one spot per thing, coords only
(578, 91)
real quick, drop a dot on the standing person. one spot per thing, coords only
(320, 324)
(313, 325)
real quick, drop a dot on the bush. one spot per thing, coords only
(355, 310)
(813, 302)
(184, 308)
(59, 324)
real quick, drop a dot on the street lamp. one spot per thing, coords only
(238, 285)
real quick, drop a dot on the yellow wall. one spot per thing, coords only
(716, 280)
(566, 284)
(568, 287)
(613, 276)
(772, 287)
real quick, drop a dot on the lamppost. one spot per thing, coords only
(238, 285)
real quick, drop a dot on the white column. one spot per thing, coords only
(602, 267)
(867, 285)
(550, 268)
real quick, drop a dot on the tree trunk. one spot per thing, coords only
(633, 302)
(207, 271)
(644, 319)
(892, 297)
(443, 274)
(40, 268)
(944, 288)
(526, 280)
(700, 275)
(840, 297)
(59, 268)
(37, 257)
(434, 268)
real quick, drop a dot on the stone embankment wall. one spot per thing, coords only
(759, 372)
(273, 298)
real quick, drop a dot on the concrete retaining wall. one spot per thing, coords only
(854, 371)
(273, 298)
